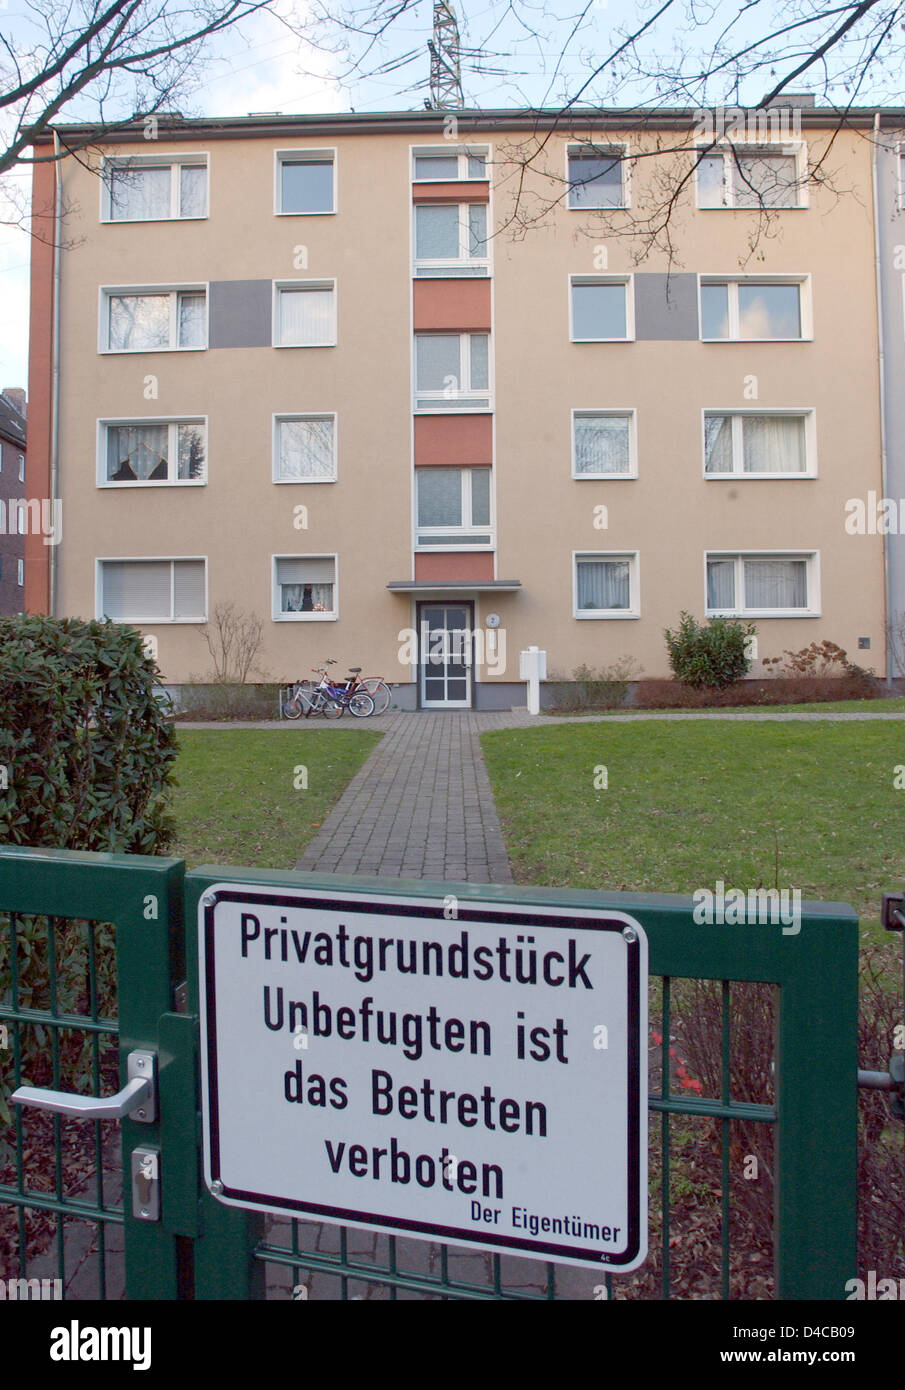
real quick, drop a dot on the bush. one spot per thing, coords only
(823, 665)
(605, 688)
(711, 656)
(86, 745)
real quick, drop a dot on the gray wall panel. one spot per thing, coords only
(666, 307)
(240, 313)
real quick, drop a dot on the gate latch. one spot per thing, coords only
(145, 1167)
(137, 1099)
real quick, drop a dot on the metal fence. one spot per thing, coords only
(753, 1105)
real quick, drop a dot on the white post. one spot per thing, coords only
(533, 669)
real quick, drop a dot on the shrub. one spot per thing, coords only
(822, 664)
(711, 656)
(605, 688)
(87, 746)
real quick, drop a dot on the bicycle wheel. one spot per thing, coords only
(379, 692)
(332, 709)
(292, 709)
(361, 705)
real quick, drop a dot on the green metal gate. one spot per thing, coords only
(198, 1248)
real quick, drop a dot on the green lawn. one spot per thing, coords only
(893, 706)
(237, 802)
(807, 806)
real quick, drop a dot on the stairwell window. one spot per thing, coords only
(152, 453)
(766, 585)
(145, 188)
(453, 508)
(304, 588)
(304, 313)
(152, 591)
(451, 239)
(440, 164)
(158, 319)
(452, 371)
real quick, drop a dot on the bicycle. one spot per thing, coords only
(323, 697)
(375, 686)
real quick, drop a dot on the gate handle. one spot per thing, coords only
(137, 1099)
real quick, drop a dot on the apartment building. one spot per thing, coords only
(12, 493)
(419, 405)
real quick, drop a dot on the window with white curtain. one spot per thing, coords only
(305, 314)
(754, 310)
(762, 584)
(451, 239)
(305, 449)
(751, 176)
(603, 444)
(452, 371)
(304, 587)
(748, 444)
(146, 189)
(606, 585)
(596, 176)
(135, 452)
(157, 320)
(453, 508)
(152, 591)
(601, 308)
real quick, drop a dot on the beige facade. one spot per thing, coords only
(667, 516)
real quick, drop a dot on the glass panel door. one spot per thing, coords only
(445, 656)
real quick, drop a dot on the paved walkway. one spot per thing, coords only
(420, 807)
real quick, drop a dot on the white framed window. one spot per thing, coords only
(150, 188)
(604, 444)
(21, 468)
(154, 318)
(304, 448)
(304, 313)
(170, 590)
(451, 239)
(452, 371)
(759, 444)
(305, 588)
(755, 308)
(753, 176)
(445, 164)
(597, 176)
(20, 572)
(601, 309)
(606, 584)
(762, 584)
(305, 182)
(453, 509)
(152, 452)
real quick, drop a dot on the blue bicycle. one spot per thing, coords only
(327, 698)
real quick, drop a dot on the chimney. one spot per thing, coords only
(16, 397)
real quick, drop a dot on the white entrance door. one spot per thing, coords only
(445, 655)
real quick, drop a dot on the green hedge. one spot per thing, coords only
(86, 744)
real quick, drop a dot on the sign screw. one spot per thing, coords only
(208, 900)
(217, 1187)
(629, 934)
